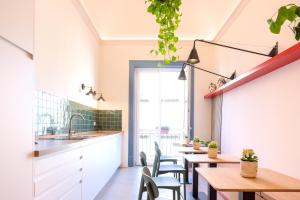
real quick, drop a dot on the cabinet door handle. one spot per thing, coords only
(80, 157)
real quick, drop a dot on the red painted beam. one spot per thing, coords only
(284, 58)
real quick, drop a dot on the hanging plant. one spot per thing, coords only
(167, 15)
(291, 13)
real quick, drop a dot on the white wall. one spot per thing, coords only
(66, 50)
(114, 81)
(262, 114)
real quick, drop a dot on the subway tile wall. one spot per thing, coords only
(52, 115)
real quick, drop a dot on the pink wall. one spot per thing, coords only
(262, 114)
(66, 50)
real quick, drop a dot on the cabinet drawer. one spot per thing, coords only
(48, 180)
(61, 190)
(46, 164)
(74, 194)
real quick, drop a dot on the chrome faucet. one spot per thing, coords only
(70, 122)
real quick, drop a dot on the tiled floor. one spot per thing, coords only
(124, 185)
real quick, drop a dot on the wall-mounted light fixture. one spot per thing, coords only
(101, 98)
(92, 92)
(194, 58)
(182, 75)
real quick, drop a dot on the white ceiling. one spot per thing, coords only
(129, 20)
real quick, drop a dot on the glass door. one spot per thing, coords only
(161, 110)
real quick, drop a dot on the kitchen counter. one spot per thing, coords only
(50, 144)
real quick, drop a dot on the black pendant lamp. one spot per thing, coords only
(193, 57)
(182, 75)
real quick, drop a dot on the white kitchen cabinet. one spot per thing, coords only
(80, 173)
(17, 22)
(16, 144)
(74, 193)
(58, 176)
(100, 161)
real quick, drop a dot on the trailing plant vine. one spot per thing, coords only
(291, 13)
(167, 15)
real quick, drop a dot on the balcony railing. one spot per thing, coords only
(166, 140)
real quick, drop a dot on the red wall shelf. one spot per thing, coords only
(284, 58)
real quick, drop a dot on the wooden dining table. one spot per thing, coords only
(197, 159)
(230, 180)
(190, 150)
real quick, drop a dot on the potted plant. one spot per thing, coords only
(196, 143)
(168, 16)
(212, 149)
(249, 164)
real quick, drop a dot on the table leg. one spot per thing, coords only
(247, 196)
(212, 165)
(195, 180)
(212, 193)
(186, 166)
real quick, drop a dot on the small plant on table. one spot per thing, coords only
(212, 149)
(196, 143)
(249, 164)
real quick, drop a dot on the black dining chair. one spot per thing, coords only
(151, 187)
(159, 169)
(165, 158)
(162, 182)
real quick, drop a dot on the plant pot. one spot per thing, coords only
(196, 145)
(212, 152)
(248, 169)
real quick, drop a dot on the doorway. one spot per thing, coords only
(160, 106)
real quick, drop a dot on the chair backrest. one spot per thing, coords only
(143, 159)
(156, 163)
(156, 145)
(152, 189)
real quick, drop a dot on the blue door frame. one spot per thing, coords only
(133, 65)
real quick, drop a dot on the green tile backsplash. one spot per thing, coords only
(52, 116)
(110, 119)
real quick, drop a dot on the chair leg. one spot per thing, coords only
(184, 185)
(178, 194)
(179, 175)
(173, 194)
(141, 190)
